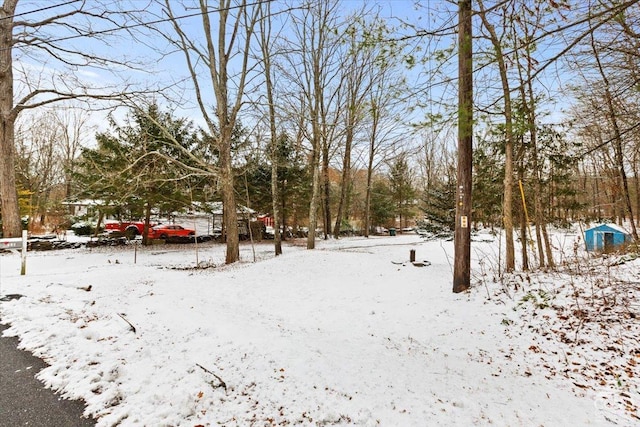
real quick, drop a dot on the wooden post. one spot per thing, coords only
(412, 255)
(462, 238)
(23, 256)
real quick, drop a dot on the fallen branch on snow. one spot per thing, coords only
(222, 383)
(131, 327)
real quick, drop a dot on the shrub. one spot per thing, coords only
(85, 228)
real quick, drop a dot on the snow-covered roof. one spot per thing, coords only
(611, 226)
(216, 208)
(84, 202)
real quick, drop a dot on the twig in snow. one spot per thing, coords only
(222, 383)
(82, 288)
(131, 327)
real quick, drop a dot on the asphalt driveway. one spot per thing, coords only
(23, 399)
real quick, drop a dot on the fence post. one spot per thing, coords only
(23, 267)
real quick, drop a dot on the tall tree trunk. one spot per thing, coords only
(508, 149)
(315, 196)
(346, 174)
(508, 182)
(11, 226)
(375, 121)
(525, 246)
(96, 231)
(543, 242)
(617, 142)
(275, 192)
(314, 164)
(541, 222)
(529, 103)
(326, 191)
(539, 243)
(370, 160)
(265, 43)
(229, 197)
(227, 107)
(597, 197)
(147, 224)
(547, 246)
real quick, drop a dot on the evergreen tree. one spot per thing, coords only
(558, 173)
(439, 204)
(138, 167)
(293, 180)
(488, 177)
(383, 207)
(402, 190)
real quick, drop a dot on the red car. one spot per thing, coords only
(164, 231)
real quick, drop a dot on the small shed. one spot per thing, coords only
(605, 237)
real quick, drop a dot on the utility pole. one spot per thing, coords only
(462, 239)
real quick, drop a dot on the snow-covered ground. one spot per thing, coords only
(350, 333)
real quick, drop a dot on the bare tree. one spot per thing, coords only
(48, 143)
(74, 130)
(383, 121)
(10, 211)
(38, 168)
(221, 64)
(524, 30)
(564, 25)
(501, 61)
(357, 79)
(617, 141)
(606, 112)
(45, 37)
(310, 67)
(265, 42)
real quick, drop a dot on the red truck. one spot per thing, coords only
(130, 228)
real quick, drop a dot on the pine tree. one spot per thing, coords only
(383, 206)
(439, 205)
(402, 190)
(138, 167)
(488, 176)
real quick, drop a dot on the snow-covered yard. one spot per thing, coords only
(350, 333)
